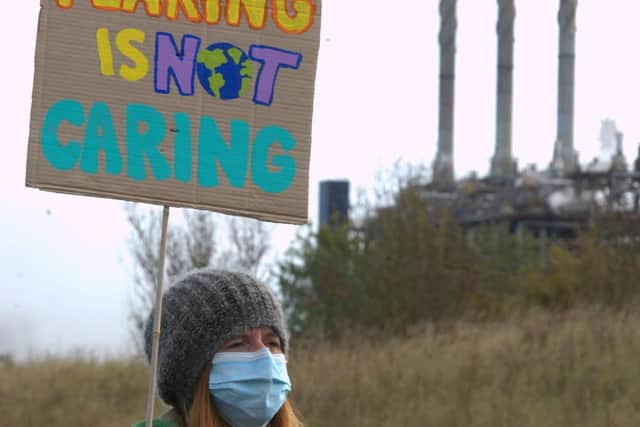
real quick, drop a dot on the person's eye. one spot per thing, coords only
(274, 344)
(234, 344)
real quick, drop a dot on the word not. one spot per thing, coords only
(145, 132)
(224, 70)
(210, 11)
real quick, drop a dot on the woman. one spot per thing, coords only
(221, 360)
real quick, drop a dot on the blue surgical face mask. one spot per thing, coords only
(248, 389)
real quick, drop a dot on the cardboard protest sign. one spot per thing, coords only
(192, 103)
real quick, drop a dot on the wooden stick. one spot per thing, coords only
(156, 320)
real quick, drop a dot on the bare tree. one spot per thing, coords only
(143, 245)
(177, 260)
(199, 238)
(249, 243)
(190, 245)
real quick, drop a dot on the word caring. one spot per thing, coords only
(146, 130)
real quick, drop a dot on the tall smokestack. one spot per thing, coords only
(443, 165)
(502, 164)
(565, 158)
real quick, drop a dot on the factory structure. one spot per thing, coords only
(552, 202)
(555, 202)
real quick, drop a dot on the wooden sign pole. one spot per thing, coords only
(157, 319)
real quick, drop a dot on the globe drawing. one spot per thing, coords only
(224, 70)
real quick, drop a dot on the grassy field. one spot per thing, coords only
(579, 368)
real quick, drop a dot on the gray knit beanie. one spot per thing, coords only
(200, 312)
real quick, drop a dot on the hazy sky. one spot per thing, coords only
(64, 258)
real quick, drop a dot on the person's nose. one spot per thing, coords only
(256, 343)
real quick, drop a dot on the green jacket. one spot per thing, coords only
(168, 419)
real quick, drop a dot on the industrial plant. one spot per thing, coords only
(554, 202)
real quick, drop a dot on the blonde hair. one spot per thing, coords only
(202, 413)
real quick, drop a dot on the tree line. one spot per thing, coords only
(398, 263)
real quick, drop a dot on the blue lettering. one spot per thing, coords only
(276, 181)
(61, 157)
(145, 131)
(182, 148)
(212, 147)
(100, 135)
(141, 144)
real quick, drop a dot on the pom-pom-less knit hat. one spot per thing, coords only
(200, 312)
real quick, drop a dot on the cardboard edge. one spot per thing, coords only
(262, 216)
(31, 175)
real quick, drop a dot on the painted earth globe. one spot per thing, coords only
(225, 71)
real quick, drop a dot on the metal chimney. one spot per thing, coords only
(502, 164)
(565, 159)
(443, 178)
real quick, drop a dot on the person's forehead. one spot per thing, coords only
(266, 331)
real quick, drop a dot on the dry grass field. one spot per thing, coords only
(578, 368)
